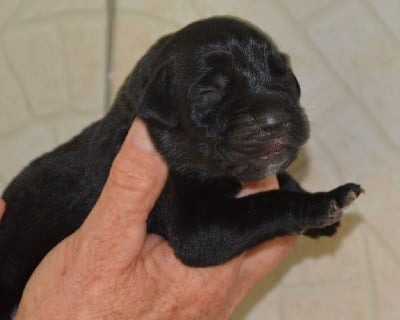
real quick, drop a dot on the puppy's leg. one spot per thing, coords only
(210, 228)
(286, 182)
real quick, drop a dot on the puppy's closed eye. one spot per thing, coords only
(212, 94)
(212, 87)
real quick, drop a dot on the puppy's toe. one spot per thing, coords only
(346, 194)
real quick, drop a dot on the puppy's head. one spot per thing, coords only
(221, 100)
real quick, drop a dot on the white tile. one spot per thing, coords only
(301, 9)
(177, 11)
(23, 148)
(72, 124)
(366, 58)
(385, 269)
(14, 107)
(345, 302)
(388, 11)
(36, 54)
(42, 9)
(85, 50)
(134, 34)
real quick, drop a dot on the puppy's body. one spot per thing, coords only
(222, 106)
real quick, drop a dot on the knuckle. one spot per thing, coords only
(137, 174)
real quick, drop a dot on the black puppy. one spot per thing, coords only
(222, 106)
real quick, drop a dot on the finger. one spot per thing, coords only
(137, 176)
(265, 184)
(265, 257)
(2, 208)
(257, 263)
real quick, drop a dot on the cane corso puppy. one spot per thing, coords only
(221, 104)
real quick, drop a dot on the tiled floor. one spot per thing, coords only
(347, 57)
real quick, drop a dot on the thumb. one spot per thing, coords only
(118, 220)
(2, 208)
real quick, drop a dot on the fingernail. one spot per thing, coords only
(140, 138)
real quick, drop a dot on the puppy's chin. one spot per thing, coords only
(264, 166)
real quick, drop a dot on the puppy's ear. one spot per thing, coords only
(156, 104)
(131, 92)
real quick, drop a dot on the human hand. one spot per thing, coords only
(2, 208)
(110, 268)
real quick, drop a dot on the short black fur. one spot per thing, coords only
(222, 106)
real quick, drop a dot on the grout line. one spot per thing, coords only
(381, 21)
(200, 11)
(127, 12)
(70, 99)
(43, 120)
(383, 242)
(58, 16)
(111, 4)
(28, 106)
(12, 17)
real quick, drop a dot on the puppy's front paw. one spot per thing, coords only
(346, 194)
(327, 208)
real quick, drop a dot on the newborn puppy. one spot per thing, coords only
(221, 104)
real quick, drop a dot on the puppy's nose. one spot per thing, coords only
(270, 119)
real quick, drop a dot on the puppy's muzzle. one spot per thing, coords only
(266, 121)
(271, 116)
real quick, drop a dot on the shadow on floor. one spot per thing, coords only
(306, 249)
